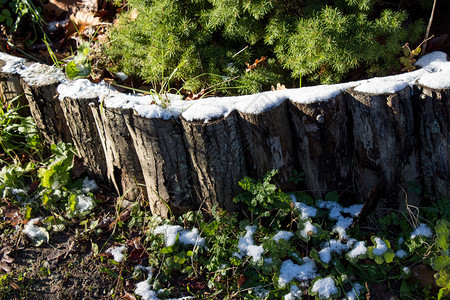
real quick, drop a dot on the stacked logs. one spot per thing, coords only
(356, 143)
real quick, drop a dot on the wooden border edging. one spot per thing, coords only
(355, 143)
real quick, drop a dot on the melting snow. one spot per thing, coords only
(295, 293)
(308, 229)
(117, 252)
(422, 230)
(83, 89)
(333, 246)
(186, 237)
(355, 292)
(325, 287)
(13, 65)
(144, 290)
(359, 249)
(246, 246)
(84, 203)
(89, 185)
(401, 253)
(290, 271)
(434, 73)
(34, 232)
(285, 235)
(380, 247)
(305, 210)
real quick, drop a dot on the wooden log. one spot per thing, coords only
(85, 135)
(123, 167)
(39, 85)
(162, 156)
(268, 144)
(386, 156)
(433, 115)
(216, 156)
(11, 89)
(323, 144)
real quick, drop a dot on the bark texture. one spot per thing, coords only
(433, 114)
(323, 145)
(386, 150)
(216, 158)
(11, 89)
(162, 156)
(376, 149)
(85, 135)
(123, 166)
(46, 110)
(267, 142)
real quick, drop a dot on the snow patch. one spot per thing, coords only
(308, 229)
(359, 249)
(13, 65)
(325, 287)
(422, 230)
(36, 233)
(355, 292)
(290, 271)
(38, 75)
(247, 247)
(144, 290)
(84, 204)
(401, 253)
(305, 210)
(294, 293)
(83, 89)
(285, 235)
(186, 237)
(380, 247)
(89, 185)
(117, 252)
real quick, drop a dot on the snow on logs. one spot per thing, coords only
(370, 139)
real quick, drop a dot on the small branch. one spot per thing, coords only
(429, 27)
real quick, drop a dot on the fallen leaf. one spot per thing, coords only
(128, 296)
(13, 215)
(6, 260)
(241, 280)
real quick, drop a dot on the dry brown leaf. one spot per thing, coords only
(128, 296)
(80, 21)
(6, 260)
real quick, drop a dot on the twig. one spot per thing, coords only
(429, 26)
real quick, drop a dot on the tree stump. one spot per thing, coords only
(123, 167)
(11, 89)
(268, 144)
(163, 159)
(217, 160)
(44, 104)
(433, 113)
(368, 147)
(386, 150)
(323, 144)
(85, 135)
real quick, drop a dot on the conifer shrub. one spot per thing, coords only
(214, 43)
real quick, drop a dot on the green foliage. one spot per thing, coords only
(79, 66)
(263, 199)
(16, 12)
(441, 263)
(212, 41)
(18, 134)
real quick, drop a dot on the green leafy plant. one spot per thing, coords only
(14, 12)
(441, 262)
(80, 65)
